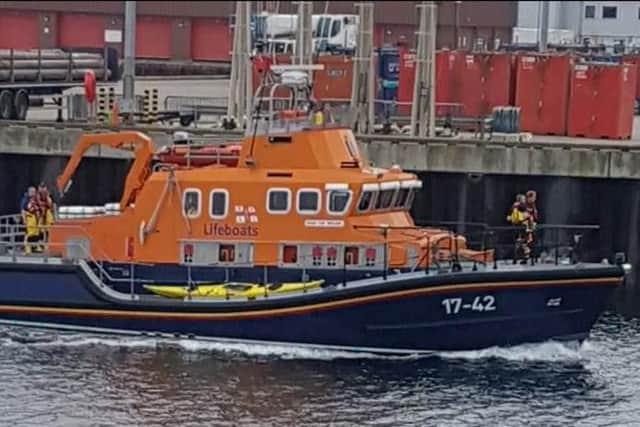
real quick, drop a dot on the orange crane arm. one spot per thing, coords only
(140, 169)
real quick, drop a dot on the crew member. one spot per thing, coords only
(318, 115)
(45, 205)
(32, 219)
(532, 210)
(31, 192)
(520, 217)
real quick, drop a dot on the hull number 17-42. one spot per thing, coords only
(479, 303)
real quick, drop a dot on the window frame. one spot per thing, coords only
(388, 186)
(184, 199)
(374, 189)
(347, 205)
(586, 7)
(282, 189)
(615, 8)
(226, 203)
(307, 211)
(413, 187)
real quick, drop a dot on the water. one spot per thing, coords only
(54, 379)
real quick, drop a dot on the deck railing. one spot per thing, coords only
(554, 243)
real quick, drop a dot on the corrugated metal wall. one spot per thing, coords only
(76, 30)
(153, 37)
(19, 30)
(211, 39)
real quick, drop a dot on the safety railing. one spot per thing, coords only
(495, 248)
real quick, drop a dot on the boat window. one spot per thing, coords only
(351, 255)
(219, 203)
(191, 203)
(289, 254)
(401, 199)
(385, 199)
(316, 255)
(410, 198)
(308, 201)
(365, 201)
(332, 256)
(278, 201)
(227, 253)
(370, 257)
(338, 201)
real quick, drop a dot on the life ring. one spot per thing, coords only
(90, 86)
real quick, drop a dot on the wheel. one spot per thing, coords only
(186, 120)
(21, 105)
(6, 105)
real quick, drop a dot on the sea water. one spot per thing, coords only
(72, 379)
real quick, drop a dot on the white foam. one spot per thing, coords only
(547, 351)
(544, 352)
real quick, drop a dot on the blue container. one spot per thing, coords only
(388, 74)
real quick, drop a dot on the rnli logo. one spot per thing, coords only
(226, 230)
(246, 215)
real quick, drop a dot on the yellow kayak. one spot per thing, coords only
(229, 290)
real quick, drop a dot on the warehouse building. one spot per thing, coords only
(201, 31)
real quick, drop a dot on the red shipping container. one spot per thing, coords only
(406, 80)
(335, 80)
(446, 84)
(483, 82)
(542, 93)
(635, 59)
(601, 103)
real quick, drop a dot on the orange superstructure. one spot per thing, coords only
(297, 196)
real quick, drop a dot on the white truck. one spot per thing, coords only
(277, 32)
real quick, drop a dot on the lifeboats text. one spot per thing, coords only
(226, 230)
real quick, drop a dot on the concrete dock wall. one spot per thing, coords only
(607, 159)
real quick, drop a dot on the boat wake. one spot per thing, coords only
(542, 352)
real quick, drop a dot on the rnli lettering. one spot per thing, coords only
(226, 230)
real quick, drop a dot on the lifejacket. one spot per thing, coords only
(517, 215)
(32, 218)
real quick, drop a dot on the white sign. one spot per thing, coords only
(113, 36)
(324, 223)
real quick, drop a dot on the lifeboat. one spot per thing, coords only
(300, 243)
(197, 156)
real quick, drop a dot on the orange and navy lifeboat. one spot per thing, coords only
(204, 155)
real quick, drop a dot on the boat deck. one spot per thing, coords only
(468, 268)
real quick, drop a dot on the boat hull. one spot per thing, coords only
(406, 313)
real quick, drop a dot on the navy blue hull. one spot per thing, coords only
(408, 312)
